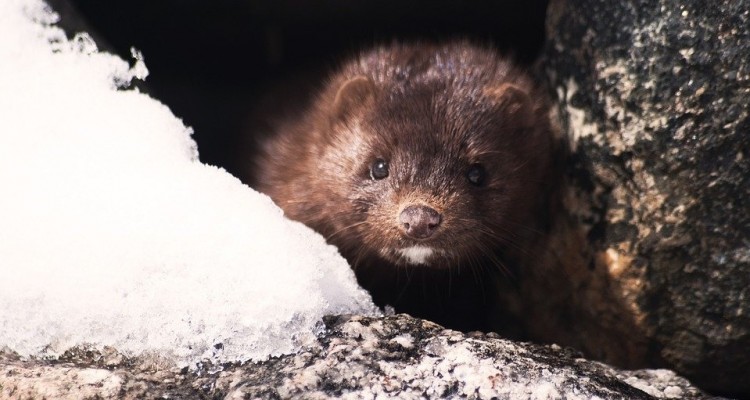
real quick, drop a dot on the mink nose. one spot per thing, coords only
(419, 222)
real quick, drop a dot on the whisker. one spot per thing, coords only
(505, 240)
(359, 252)
(496, 261)
(345, 228)
(406, 284)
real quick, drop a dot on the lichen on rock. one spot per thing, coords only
(652, 95)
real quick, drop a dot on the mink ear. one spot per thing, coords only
(513, 100)
(353, 95)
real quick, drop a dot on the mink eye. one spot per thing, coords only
(379, 169)
(476, 174)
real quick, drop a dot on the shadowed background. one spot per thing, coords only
(214, 62)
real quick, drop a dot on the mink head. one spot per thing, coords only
(430, 157)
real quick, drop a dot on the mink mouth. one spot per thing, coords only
(415, 255)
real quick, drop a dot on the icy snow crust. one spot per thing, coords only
(113, 233)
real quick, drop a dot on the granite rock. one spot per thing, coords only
(356, 357)
(653, 98)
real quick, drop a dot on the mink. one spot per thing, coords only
(428, 166)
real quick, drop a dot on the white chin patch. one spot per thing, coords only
(416, 254)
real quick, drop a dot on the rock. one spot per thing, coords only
(653, 259)
(356, 357)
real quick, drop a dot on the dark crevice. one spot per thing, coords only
(212, 62)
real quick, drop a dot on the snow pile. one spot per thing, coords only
(112, 233)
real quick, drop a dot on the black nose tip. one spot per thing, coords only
(419, 222)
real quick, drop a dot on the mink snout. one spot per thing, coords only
(419, 222)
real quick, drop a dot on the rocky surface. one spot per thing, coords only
(655, 253)
(356, 357)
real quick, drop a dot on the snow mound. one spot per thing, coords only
(113, 233)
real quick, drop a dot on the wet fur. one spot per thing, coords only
(432, 112)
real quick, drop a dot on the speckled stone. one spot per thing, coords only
(355, 358)
(654, 97)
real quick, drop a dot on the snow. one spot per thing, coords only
(112, 233)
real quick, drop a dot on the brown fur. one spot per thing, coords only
(431, 111)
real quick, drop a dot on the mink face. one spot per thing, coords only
(420, 157)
